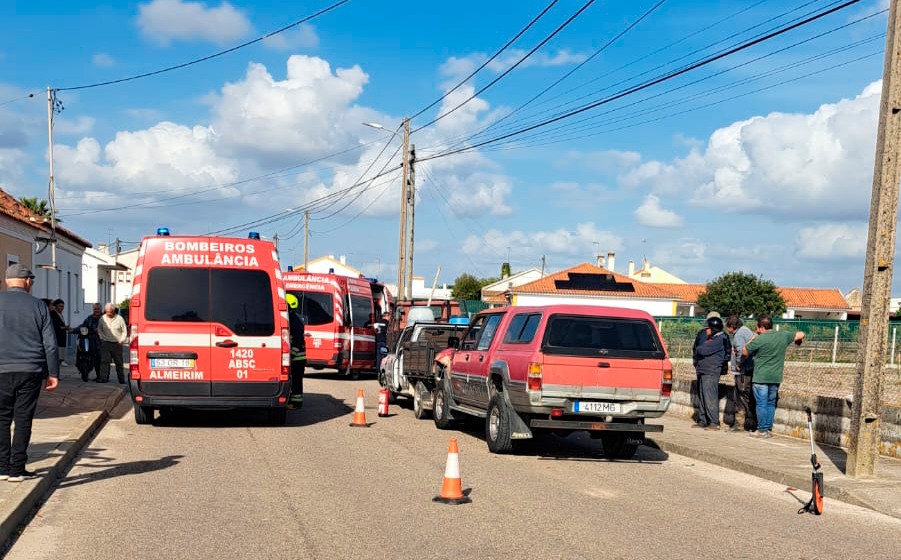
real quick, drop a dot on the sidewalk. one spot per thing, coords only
(65, 421)
(784, 460)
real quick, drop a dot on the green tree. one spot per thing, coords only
(467, 286)
(125, 303)
(37, 205)
(738, 293)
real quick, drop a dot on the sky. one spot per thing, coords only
(760, 161)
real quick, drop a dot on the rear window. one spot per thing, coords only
(316, 308)
(439, 335)
(362, 311)
(573, 335)
(242, 301)
(178, 294)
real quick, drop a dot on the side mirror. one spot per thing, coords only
(453, 342)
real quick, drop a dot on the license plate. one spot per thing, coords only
(597, 407)
(172, 363)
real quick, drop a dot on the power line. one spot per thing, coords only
(487, 62)
(464, 138)
(508, 70)
(211, 56)
(361, 212)
(13, 100)
(665, 77)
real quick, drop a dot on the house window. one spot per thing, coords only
(12, 259)
(77, 293)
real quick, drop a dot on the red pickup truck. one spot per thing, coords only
(560, 367)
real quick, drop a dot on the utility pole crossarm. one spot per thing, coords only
(864, 440)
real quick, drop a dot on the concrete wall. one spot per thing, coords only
(655, 308)
(832, 416)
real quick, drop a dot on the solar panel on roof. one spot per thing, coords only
(593, 282)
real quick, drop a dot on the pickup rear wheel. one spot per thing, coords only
(498, 427)
(620, 445)
(440, 410)
(419, 393)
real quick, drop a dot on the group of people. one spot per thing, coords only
(756, 360)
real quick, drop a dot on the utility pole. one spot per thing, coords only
(117, 246)
(411, 204)
(51, 102)
(402, 245)
(863, 447)
(275, 240)
(542, 265)
(306, 239)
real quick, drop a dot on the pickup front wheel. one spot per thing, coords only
(498, 427)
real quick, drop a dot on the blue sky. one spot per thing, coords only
(774, 182)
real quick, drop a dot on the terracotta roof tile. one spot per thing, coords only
(18, 211)
(818, 298)
(547, 285)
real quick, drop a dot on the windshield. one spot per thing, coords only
(316, 308)
(574, 335)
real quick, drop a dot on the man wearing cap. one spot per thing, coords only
(298, 352)
(28, 353)
(711, 359)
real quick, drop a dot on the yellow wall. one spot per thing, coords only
(12, 246)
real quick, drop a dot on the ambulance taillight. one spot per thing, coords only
(133, 354)
(286, 355)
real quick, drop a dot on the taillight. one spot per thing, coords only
(133, 353)
(286, 355)
(667, 388)
(534, 376)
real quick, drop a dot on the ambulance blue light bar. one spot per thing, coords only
(253, 235)
(162, 231)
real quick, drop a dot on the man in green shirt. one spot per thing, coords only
(768, 350)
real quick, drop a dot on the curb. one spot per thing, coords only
(833, 491)
(30, 493)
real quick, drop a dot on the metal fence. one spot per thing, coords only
(825, 365)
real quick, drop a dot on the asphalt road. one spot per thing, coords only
(225, 485)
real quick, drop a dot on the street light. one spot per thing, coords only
(377, 126)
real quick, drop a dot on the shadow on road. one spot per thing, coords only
(106, 469)
(317, 407)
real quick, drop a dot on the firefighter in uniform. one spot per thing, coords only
(298, 352)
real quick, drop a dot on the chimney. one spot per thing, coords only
(342, 259)
(631, 268)
(102, 248)
(600, 263)
(611, 260)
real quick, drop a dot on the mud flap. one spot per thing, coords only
(519, 428)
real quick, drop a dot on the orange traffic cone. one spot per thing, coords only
(359, 412)
(452, 488)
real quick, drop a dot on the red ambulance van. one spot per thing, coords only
(209, 326)
(340, 316)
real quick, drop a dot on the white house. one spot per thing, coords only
(99, 273)
(126, 262)
(422, 291)
(330, 265)
(496, 294)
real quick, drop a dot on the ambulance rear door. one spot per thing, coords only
(245, 298)
(174, 333)
(321, 309)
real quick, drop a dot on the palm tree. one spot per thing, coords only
(36, 205)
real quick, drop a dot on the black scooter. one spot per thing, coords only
(815, 505)
(84, 354)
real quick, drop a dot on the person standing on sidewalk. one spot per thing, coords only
(60, 328)
(91, 323)
(711, 359)
(113, 334)
(740, 399)
(768, 351)
(28, 354)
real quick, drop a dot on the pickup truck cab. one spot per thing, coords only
(561, 367)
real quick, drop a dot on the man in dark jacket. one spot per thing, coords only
(298, 352)
(711, 358)
(27, 350)
(91, 323)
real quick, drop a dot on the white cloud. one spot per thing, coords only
(303, 36)
(790, 164)
(652, 214)
(103, 60)
(168, 21)
(574, 246)
(81, 125)
(832, 242)
(458, 67)
(603, 161)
